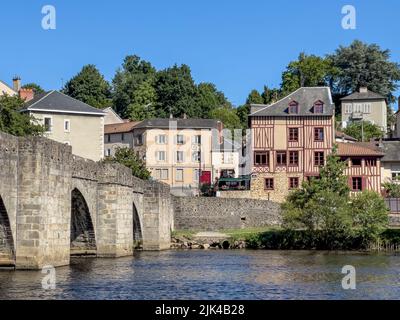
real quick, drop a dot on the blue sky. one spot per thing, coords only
(238, 45)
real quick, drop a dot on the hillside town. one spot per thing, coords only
(287, 142)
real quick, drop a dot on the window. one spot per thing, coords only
(356, 162)
(196, 156)
(261, 158)
(319, 158)
(293, 134)
(196, 175)
(180, 139)
(161, 139)
(160, 155)
(139, 140)
(318, 134)
(293, 183)
(179, 175)
(197, 139)
(122, 136)
(370, 162)
(108, 154)
(367, 108)
(395, 175)
(66, 126)
(48, 126)
(109, 138)
(356, 184)
(162, 174)
(179, 156)
(293, 158)
(293, 107)
(318, 107)
(269, 184)
(348, 108)
(281, 158)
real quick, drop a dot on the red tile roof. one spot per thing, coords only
(120, 127)
(358, 149)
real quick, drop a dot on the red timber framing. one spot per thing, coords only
(264, 140)
(368, 171)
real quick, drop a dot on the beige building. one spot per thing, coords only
(390, 163)
(118, 135)
(111, 117)
(70, 121)
(225, 159)
(365, 105)
(6, 89)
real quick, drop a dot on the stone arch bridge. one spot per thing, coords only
(54, 205)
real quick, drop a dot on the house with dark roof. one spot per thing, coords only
(119, 135)
(69, 121)
(391, 161)
(365, 105)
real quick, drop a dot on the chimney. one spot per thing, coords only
(26, 94)
(363, 90)
(16, 83)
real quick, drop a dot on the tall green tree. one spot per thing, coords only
(177, 92)
(128, 79)
(144, 102)
(37, 89)
(271, 95)
(228, 116)
(254, 97)
(209, 99)
(307, 71)
(14, 122)
(89, 86)
(365, 65)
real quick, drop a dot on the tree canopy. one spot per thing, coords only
(89, 86)
(364, 131)
(14, 122)
(37, 89)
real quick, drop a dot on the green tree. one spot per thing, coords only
(371, 131)
(128, 79)
(177, 92)
(228, 117)
(129, 158)
(89, 86)
(392, 189)
(271, 95)
(37, 89)
(365, 65)
(144, 102)
(307, 71)
(14, 122)
(370, 215)
(254, 98)
(209, 99)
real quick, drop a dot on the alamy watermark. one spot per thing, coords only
(349, 21)
(49, 20)
(49, 280)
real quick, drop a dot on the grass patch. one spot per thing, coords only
(188, 234)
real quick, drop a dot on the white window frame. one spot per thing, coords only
(159, 174)
(159, 153)
(195, 153)
(348, 108)
(163, 140)
(176, 174)
(183, 139)
(69, 125)
(197, 139)
(179, 159)
(51, 123)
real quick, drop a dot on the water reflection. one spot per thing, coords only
(213, 275)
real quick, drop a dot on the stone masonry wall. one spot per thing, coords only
(211, 214)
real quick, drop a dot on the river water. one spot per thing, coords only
(230, 274)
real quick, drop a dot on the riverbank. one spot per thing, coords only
(280, 239)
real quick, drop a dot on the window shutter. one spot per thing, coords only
(157, 139)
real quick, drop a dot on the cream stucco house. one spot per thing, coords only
(118, 135)
(6, 89)
(225, 159)
(365, 105)
(70, 121)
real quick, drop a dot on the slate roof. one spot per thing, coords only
(122, 127)
(181, 123)
(305, 97)
(369, 95)
(359, 149)
(57, 102)
(392, 150)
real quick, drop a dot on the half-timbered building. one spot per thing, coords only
(290, 141)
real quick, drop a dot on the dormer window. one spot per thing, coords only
(293, 107)
(319, 107)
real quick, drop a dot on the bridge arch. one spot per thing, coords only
(137, 228)
(83, 240)
(7, 252)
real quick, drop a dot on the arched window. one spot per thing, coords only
(293, 107)
(319, 107)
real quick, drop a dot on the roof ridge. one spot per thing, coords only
(46, 95)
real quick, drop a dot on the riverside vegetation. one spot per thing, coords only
(322, 215)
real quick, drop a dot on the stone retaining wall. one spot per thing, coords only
(211, 214)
